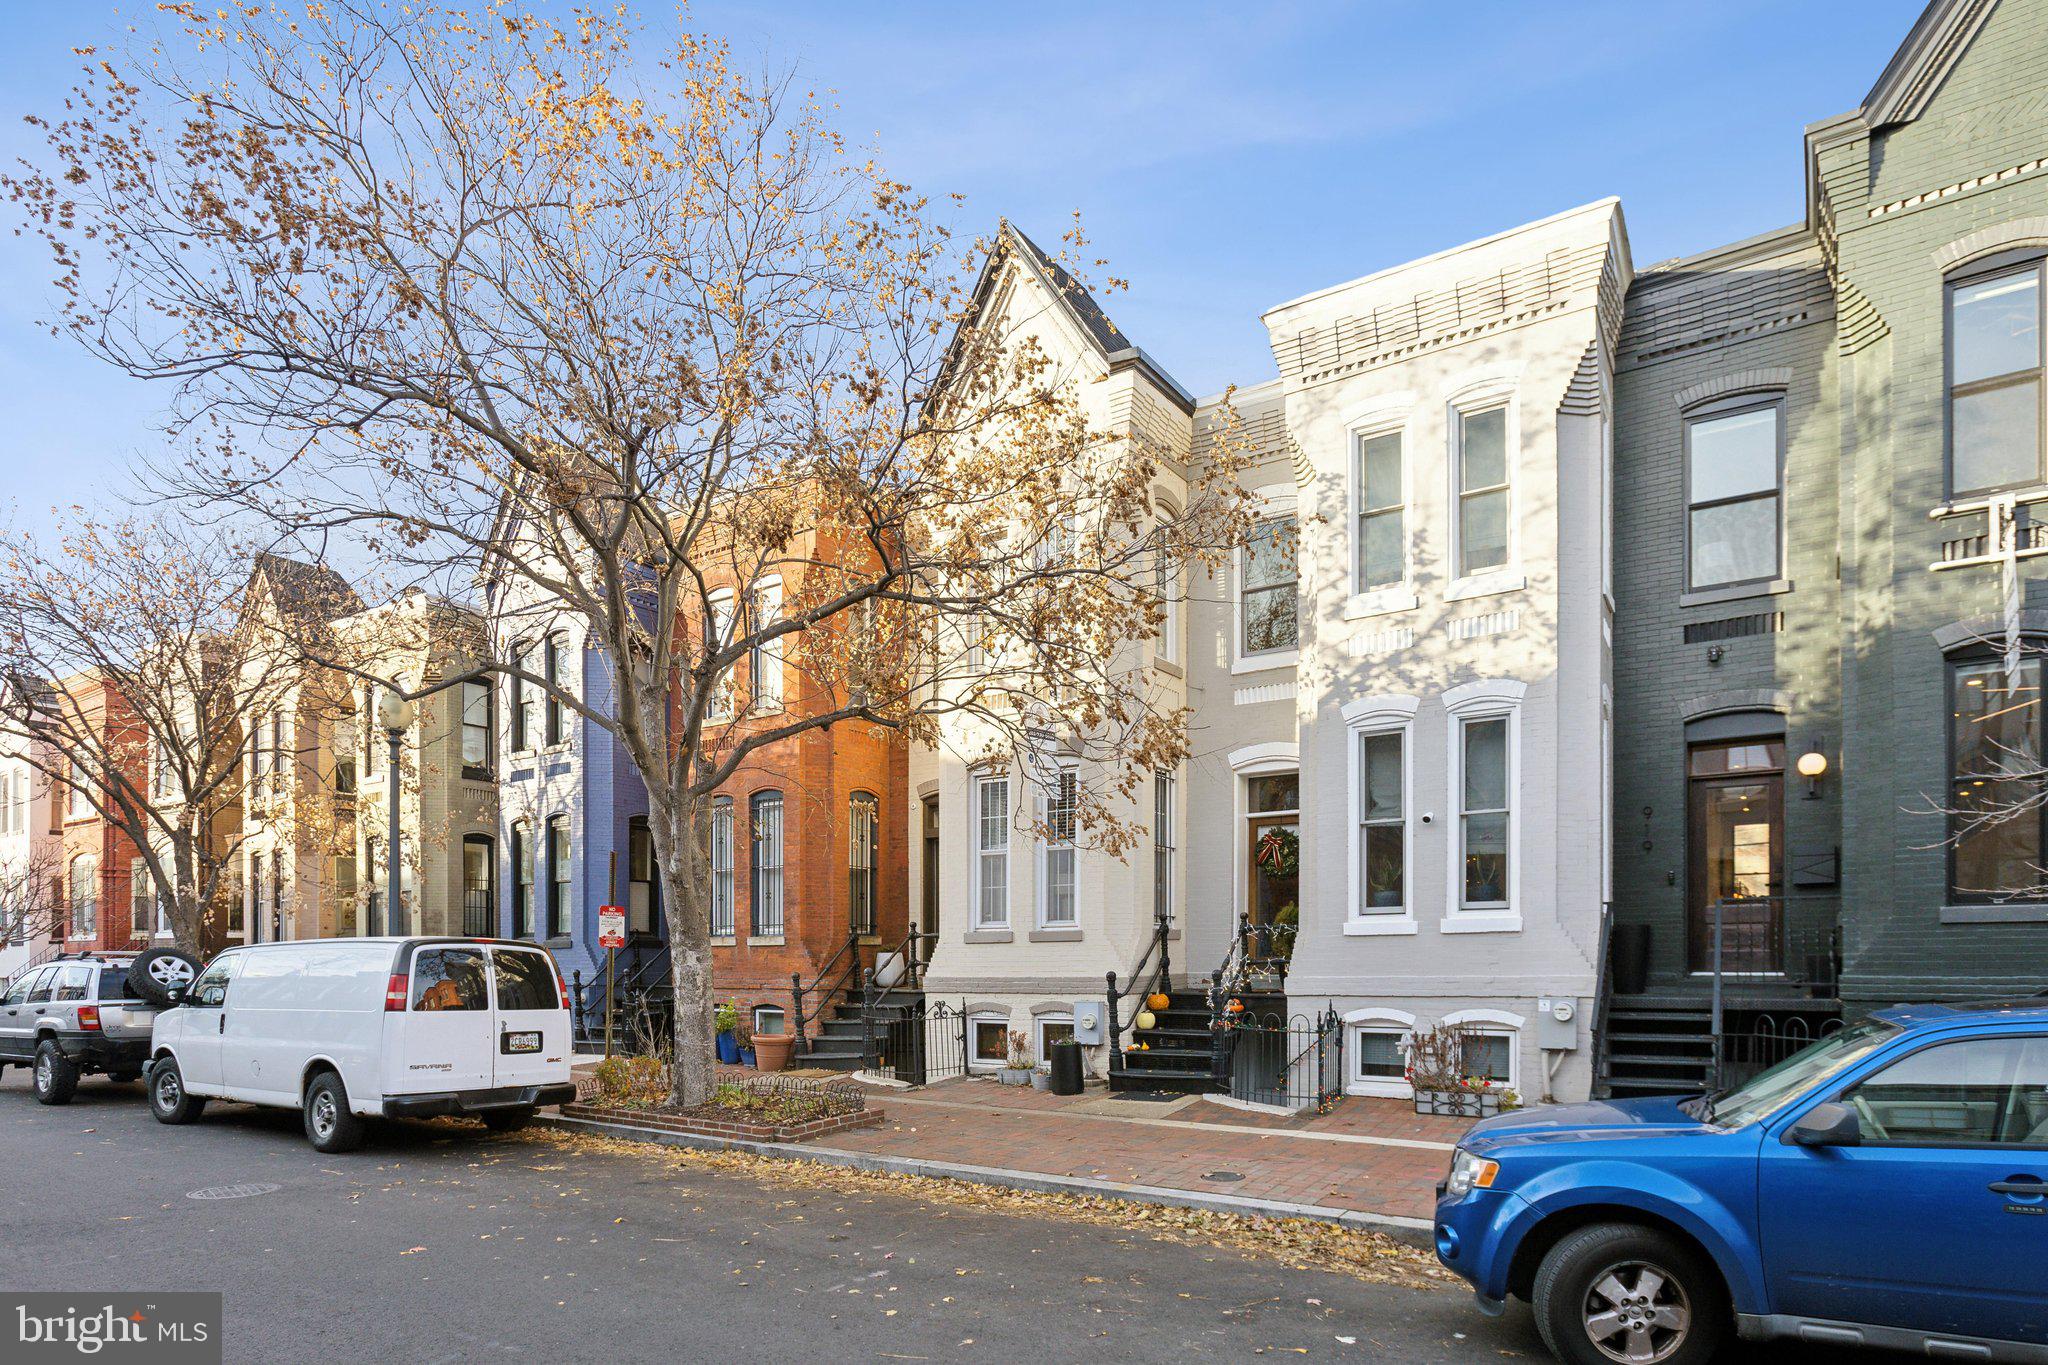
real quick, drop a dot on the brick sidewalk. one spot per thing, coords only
(1367, 1156)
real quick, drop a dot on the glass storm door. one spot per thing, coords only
(1737, 853)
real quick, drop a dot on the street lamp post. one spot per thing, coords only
(395, 712)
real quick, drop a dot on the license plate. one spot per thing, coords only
(522, 1042)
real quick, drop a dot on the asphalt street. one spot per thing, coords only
(440, 1242)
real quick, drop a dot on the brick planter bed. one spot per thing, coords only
(818, 1109)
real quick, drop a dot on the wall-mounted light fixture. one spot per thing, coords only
(1813, 765)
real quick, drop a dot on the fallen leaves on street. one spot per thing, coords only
(1300, 1243)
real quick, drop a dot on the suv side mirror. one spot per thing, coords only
(1827, 1125)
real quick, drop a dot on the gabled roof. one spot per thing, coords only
(1905, 87)
(301, 589)
(1075, 300)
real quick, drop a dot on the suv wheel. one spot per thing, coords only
(56, 1074)
(330, 1127)
(162, 975)
(1622, 1294)
(168, 1098)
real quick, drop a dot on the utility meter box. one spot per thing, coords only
(1557, 1023)
(1088, 1023)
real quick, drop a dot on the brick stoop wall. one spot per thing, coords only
(741, 1129)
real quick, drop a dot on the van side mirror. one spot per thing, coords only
(1827, 1125)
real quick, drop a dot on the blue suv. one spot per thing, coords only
(1887, 1186)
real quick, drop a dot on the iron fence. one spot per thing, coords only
(1755, 1042)
(920, 1043)
(477, 914)
(1288, 1062)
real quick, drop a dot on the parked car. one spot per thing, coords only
(1886, 1187)
(346, 1030)
(85, 1014)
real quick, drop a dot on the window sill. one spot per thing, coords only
(558, 941)
(765, 940)
(988, 936)
(1372, 926)
(1169, 668)
(1735, 592)
(1063, 934)
(1481, 922)
(1388, 1090)
(1381, 602)
(2016, 912)
(1267, 662)
(1492, 583)
(723, 941)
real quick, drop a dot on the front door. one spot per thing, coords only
(928, 919)
(532, 1042)
(445, 1039)
(1736, 854)
(1938, 1220)
(1273, 862)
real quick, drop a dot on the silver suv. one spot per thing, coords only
(74, 1016)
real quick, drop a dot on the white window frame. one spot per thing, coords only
(724, 883)
(776, 1010)
(1496, 1024)
(764, 660)
(718, 629)
(1040, 1049)
(1398, 595)
(1047, 846)
(1382, 715)
(1489, 699)
(1168, 578)
(1470, 401)
(1376, 1019)
(984, 853)
(1272, 502)
(974, 1022)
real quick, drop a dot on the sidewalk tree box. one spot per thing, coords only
(1466, 1104)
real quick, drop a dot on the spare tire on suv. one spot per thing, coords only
(162, 975)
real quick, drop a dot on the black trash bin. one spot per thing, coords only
(1066, 1067)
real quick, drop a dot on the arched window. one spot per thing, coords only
(863, 839)
(767, 864)
(84, 896)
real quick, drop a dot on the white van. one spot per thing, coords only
(354, 1028)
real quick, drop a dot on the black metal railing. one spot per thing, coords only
(1757, 965)
(1154, 966)
(478, 913)
(1603, 989)
(921, 1043)
(1289, 1062)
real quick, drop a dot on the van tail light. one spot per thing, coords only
(561, 988)
(89, 1018)
(395, 993)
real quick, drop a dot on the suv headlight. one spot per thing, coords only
(1469, 1173)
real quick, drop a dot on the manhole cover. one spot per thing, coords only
(232, 1191)
(1223, 1177)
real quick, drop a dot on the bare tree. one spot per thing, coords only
(133, 676)
(651, 344)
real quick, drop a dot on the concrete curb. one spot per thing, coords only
(1415, 1231)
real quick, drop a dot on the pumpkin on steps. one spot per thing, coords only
(1158, 1000)
(1146, 1019)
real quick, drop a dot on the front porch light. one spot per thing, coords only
(1813, 764)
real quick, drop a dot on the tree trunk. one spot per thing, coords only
(682, 849)
(187, 908)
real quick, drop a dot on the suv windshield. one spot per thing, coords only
(1765, 1092)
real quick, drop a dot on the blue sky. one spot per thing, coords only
(1224, 157)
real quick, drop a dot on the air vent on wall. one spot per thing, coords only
(1735, 627)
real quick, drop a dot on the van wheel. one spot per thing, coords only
(56, 1074)
(330, 1127)
(1622, 1294)
(508, 1120)
(168, 1098)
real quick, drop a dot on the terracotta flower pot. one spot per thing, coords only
(771, 1050)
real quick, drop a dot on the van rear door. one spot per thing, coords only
(532, 1047)
(443, 1039)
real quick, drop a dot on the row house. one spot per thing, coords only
(28, 856)
(1832, 604)
(101, 877)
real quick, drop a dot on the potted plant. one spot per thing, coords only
(1018, 1070)
(773, 1050)
(724, 1020)
(1041, 1077)
(743, 1037)
(1444, 1085)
